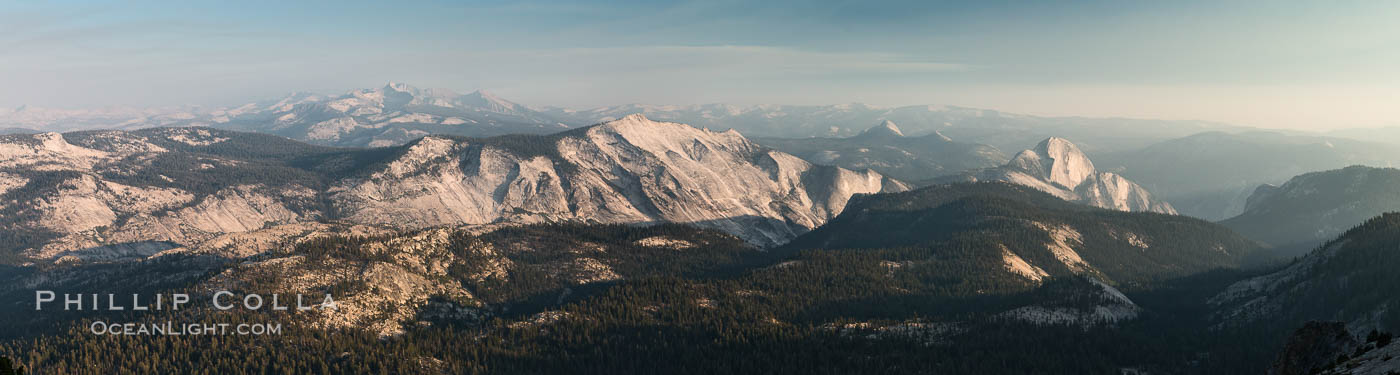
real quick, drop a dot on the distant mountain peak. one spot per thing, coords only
(1056, 160)
(482, 93)
(885, 129)
(1057, 145)
(1058, 167)
(1314, 207)
(487, 100)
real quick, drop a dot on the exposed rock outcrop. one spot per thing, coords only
(94, 190)
(1313, 348)
(1056, 166)
(631, 170)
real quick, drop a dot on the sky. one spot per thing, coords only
(1278, 64)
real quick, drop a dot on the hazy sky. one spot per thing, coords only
(1314, 64)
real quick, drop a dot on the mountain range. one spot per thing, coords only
(386, 116)
(36, 119)
(1386, 134)
(1006, 131)
(96, 194)
(390, 115)
(397, 113)
(1315, 207)
(1211, 175)
(885, 148)
(483, 236)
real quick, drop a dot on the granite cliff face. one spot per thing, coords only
(631, 170)
(1058, 167)
(158, 189)
(111, 194)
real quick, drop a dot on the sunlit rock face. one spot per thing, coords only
(83, 193)
(1056, 166)
(631, 170)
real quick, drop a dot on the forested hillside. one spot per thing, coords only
(1055, 237)
(1313, 208)
(674, 299)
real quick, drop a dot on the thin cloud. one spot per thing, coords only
(724, 59)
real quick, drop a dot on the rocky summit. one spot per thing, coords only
(1058, 167)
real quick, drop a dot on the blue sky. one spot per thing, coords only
(1309, 65)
